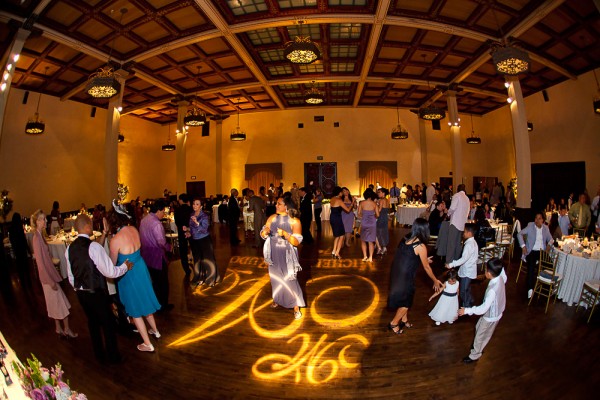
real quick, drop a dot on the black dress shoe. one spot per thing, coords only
(468, 360)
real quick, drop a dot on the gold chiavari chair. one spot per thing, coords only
(548, 280)
(590, 295)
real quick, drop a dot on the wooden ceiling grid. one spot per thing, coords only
(161, 43)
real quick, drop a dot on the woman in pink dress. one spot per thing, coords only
(56, 302)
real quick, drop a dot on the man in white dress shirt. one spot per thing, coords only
(430, 192)
(458, 212)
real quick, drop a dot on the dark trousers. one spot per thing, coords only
(533, 258)
(318, 218)
(97, 308)
(466, 299)
(183, 252)
(205, 264)
(306, 235)
(233, 225)
(454, 248)
(160, 283)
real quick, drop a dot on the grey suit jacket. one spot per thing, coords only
(530, 232)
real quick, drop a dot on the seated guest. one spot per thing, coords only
(489, 214)
(555, 230)
(472, 209)
(502, 212)
(563, 220)
(482, 225)
(538, 239)
(436, 217)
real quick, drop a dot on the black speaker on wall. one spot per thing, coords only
(435, 125)
(206, 129)
(545, 94)
(25, 97)
(93, 114)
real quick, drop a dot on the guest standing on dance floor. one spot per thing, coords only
(318, 207)
(348, 218)
(337, 224)
(135, 287)
(205, 264)
(57, 304)
(411, 252)
(88, 267)
(283, 234)
(306, 214)
(383, 234)
(154, 251)
(233, 212)
(368, 213)
(257, 205)
(182, 217)
(458, 212)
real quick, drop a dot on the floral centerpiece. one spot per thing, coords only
(122, 191)
(39, 383)
(5, 204)
(513, 185)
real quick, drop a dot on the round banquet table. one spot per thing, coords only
(325, 212)
(405, 215)
(575, 271)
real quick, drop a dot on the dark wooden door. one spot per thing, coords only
(195, 189)
(323, 175)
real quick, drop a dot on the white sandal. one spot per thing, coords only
(156, 334)
(145, 347)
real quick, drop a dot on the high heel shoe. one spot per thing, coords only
(383, 251)
(145, 347)
(60, 333)
(69, 334)
(392, 328)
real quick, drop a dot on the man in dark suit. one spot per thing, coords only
(182, 219)
(305, 214)
(233, 211)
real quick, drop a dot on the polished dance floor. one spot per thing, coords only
(227, 342)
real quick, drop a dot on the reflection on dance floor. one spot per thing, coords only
(318, 357)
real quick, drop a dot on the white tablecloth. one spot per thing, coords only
(575, 270)
(215, 213)
(406, 215)
(325, 212)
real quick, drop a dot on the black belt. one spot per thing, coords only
(449, 294)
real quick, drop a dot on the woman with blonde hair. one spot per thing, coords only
(56, 302)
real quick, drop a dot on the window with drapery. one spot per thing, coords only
(373, 172)
(258, 175)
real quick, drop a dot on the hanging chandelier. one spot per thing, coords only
(432, 113)
(169, 146)
(302, 50)
(473, 139)
(313, 95)
(103, 83)
(36, 126)
(238, 135)
(195, 116)
(509, 60)
(399, 132)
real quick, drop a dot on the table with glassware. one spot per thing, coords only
(577, 264)
(407, 213)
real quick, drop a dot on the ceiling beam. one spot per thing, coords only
(156, 82)
(215, 17)
(380, 17)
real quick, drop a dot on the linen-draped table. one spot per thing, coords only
(575, 270)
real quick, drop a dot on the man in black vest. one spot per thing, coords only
(306, 214)
(233, 219)
(182, 219)
(88, 267)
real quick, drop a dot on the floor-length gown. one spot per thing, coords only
(335, 219)
(383, 234)
(367, 226)
(286, 293)
(348, 219)
(135, 287)
(402, 275)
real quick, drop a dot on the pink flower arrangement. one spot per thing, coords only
(41, 383)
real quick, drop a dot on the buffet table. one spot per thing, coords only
(10, 386)
(575, 270)
(406, 214)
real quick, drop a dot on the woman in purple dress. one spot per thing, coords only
(368, 213)
(348, 217)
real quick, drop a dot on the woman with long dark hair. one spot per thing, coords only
(348, 217)
(205, 264)
(383, 234)
(368, 213)
(411, 252)
(335, 219)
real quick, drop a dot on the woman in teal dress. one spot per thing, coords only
(135, 287)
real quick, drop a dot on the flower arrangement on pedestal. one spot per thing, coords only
(41, 383)
(513, 184)
(5, 204)
(122, 191)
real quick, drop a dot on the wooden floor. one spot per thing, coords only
(226, 343)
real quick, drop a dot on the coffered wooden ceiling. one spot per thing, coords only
(225, 54)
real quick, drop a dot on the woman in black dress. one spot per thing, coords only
(336, 222)
(411, 252)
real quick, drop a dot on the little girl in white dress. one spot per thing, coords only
(446, 309)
